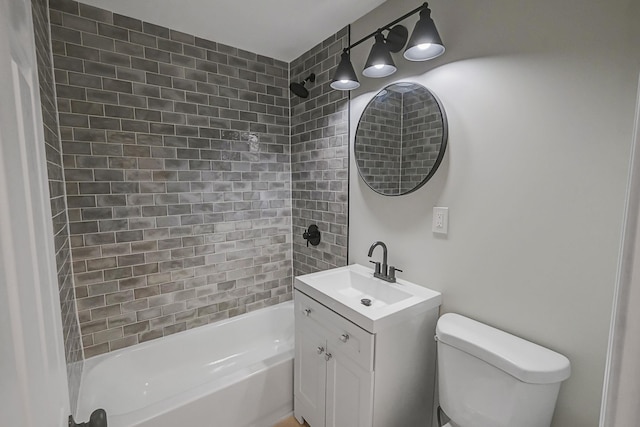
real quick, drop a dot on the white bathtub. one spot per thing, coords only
(234, 373)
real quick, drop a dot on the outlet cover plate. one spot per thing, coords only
(440, 220)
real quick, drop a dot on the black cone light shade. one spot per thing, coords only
(380, 63)
(425, 42)
(345, 77)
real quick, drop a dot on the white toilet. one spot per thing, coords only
(489, 378)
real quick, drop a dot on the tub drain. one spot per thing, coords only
(366, 301)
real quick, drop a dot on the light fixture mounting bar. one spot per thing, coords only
(388, 26)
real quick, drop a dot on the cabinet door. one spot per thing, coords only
(349, 393)
(310, 375)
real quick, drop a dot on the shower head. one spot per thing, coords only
(299, 89)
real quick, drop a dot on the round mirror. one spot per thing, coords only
(401, 139)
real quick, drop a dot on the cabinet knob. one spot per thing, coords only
(320, 350)
(344, 337)
(306, 311)
(328, 356)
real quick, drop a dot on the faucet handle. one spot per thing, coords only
(377, 266)
(392, 272)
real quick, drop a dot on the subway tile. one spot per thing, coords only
(95, 13)
(134, 101)
(101, 264)
(69, 64)
(194, 51)
(129, 48)
(172, 154)
(122, 320)
(127, 22)
(113, 225)
(132, 283)
(99, 239)
(150, 313)
(132, 306)
(118, 111)
(157, 55)
(150, 335)
(117, 85)
(113, 32)
(143, 39)
(114, 59)
(155, 30)
(67, 6)
(129, 236)
(118, 273)
(95, 213)
(98, 42)
(79, 23)
(144, 64)
(101, 96)
(136, 328)
(82, 52)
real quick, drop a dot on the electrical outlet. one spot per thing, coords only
(440, 220)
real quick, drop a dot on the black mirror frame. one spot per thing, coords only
(443, 148)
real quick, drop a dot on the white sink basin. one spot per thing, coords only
(353, 286)
(343, 289)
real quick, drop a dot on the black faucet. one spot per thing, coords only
(383, 271)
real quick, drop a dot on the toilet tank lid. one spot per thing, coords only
(528, 362)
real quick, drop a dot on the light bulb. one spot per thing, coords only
(424, 46)
(379, 66)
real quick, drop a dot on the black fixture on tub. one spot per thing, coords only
(312, 235)
(98, 418)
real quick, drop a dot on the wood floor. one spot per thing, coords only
(290, 422)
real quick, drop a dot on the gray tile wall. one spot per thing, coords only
(177, 164)
(71, 331)
(378, 147)
(319, 159)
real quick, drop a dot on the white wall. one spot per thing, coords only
(540, 101)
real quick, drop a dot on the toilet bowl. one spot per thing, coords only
(490, 378)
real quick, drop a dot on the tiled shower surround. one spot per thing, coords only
(319, 159)
(71, 331)
(177, 166)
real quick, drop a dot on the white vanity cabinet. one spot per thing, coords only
(346, 376)
(333, 368)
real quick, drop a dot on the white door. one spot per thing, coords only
(349, 392)
(33, 384)
(622, 374)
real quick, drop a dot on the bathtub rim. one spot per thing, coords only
(95, 360)
(196, 392)
(175, 402)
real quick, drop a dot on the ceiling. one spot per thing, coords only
(281, 29)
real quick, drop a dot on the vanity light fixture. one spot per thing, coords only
(345, 77)
(425, 43)
(380, 63)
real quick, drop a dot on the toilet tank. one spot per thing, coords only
(489, 378)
